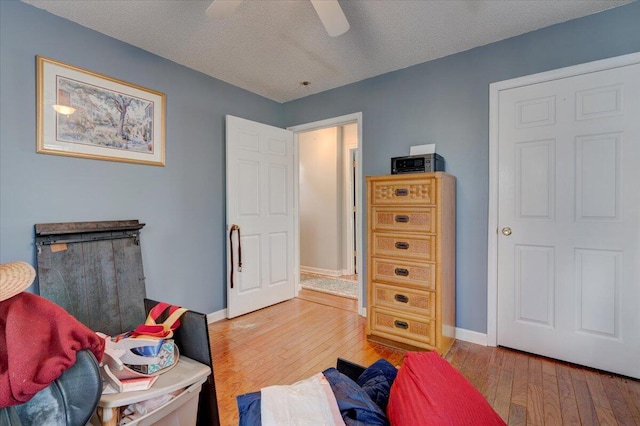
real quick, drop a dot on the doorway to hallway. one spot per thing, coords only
(328, 194)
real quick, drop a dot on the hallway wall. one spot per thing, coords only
(321, 201)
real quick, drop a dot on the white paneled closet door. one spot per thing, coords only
(569, 201)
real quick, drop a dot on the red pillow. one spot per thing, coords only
(429, 391)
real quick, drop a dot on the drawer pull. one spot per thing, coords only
(402, 245)
(401, 298)
(402, 272)
(401, 324)
(401, 192)
(401, 218)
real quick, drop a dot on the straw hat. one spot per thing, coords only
(15, 277)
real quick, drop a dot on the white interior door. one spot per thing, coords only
(568, 243)
(260, 202)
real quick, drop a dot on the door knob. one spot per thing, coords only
(506, 231)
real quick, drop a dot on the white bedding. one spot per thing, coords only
(309, 402)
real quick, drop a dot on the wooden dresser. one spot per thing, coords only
(411, 246)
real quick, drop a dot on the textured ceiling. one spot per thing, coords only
(270, 46)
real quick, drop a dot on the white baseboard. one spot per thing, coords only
(461, 333)
(216, 316)
(312, 270)
(471, 336)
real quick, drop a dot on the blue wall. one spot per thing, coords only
(446, 101)
(182, 204)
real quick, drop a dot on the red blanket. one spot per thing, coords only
(38, 341)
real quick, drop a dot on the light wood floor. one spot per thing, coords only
(329, 299)
(298, 338)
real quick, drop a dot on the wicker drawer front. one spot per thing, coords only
(404, 191)
(410, 329)
(404, 219)
(420, 302)
(404, 246)
(406, 273)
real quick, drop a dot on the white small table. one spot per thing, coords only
(187, 374)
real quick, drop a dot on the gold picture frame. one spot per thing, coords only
(85, 114)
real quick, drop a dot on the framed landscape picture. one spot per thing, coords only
(85, 114)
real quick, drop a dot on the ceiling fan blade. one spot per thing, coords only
(332, 16)
(222, 9)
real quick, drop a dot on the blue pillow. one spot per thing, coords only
(249, 409)
(356, 407)
(376, 381)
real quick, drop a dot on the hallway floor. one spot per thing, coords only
(345, 285)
